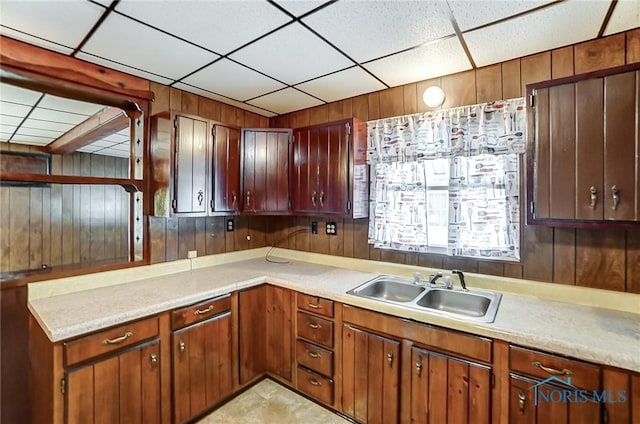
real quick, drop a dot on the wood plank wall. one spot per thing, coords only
(592, 258)
(65, 224)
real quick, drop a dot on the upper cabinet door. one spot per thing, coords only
(333, 169)
(265, 168)
(582, 158)
(304, 172)
(226, 170)
(190, 178)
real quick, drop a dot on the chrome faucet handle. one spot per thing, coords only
(417, 277)
(448, 284)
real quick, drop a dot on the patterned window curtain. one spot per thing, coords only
(448, 181)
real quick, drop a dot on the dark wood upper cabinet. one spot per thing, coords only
(329, 173)
(265, 168)
(226, 170)
(583, 168)
(191, 166)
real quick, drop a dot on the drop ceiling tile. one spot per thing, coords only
(14, 109)
(348, 83)
(433, 60)
(113, 152)
(367, 32)
(121, 146)
(14, 94)
(57, 116)
(13, 121)
(69, 105)
(123, 68)
(29, 139)
(292, 55)
(116, 138)
(221, 26)
(38, 132)
(300, 7)
(87, 149)
(47, 125)
(61, 22)
(562, 24)
(626, 15)
(472, 13)
(222, 99)
(285, 101)
(7, 129)
(232, 80)
(30, 39)
(150, 50)
(5, 136)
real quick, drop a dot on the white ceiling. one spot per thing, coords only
(276, 56)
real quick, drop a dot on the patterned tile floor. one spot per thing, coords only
(268, 402)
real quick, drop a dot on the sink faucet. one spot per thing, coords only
(461, 276)
(417, 278)
(434, 278)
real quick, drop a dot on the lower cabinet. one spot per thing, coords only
(202, 358)
(371, 374)
(445, 389)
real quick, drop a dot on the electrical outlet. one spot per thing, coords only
(332, 228)
(230, 226)
(192, 254)
(314, 227)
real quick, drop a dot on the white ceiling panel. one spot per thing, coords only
(433, 60)
(57, 116)
(63, 22)
(123, 68)
(68, 105)
(102, 143)
(300, 7)
(473, 13)
(13, 121)
(116, 138)
(5, 136)
(347, 83)
(562, 24)
(221, 26)
(223, 99)
(625, 16)
(14, 109)
(150, 50)
(14, 94)
(38, 132)
(377, 28)
(113, 152)
(292, 55)
(232, 80)
(29, 139)
(7, 129)
(30, 39)
(47, 125)
(285, 101)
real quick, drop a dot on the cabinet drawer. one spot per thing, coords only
(532, 363)
(315, 329)
(200, 311)
(315, 304)
(315, 385)
(314, 357)
(109, 340)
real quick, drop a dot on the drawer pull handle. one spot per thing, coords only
(313, 381)
(117, 339)
(314, 355)
(522, 397)
(313, 198)
(313, 305)
(203, 311)
(154, 360)
(552, 371)
(181, 346)
(313, 325)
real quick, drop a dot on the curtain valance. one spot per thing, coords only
(487, 128)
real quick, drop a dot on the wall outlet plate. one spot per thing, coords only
(192, 254)
(332, 228)
(230, 226)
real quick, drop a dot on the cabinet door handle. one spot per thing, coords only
(313, 198)
(117, 339)
(203, 311)
(313, 305)
(181, 346)
(615, 197)
(314, 355)
(419, 367)
(522, 397)
(321, 198)
(211, 204)
(248, 198)
(313, 325)
(313, 381)
(154, 360)
(200, 197)
(594, 197)
(234, 200)
(552, 371)
(390, 358)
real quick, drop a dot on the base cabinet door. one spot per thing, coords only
(202, 369)
(124, 388)
(446, 389)
(371, 371)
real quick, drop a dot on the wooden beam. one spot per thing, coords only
(130, 186)
(104, 123)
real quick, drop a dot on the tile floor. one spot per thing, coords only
(268, 402)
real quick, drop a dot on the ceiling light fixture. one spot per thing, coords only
(433, 96)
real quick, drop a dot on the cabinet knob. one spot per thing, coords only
(390, 358)
(594, 197)
(419, 367)
(181, 346)
(522, 397)
(615, 197)
(154, 360)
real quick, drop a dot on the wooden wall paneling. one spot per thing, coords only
(374, 253)
(258, 231)
(564, 255)
(46, 227)
(112, 210)
(393, 256)
(85, 232)
(172, 239)
(360, 107)
(373, 99)
(412, 258)
(491, 268)
(345, 232)
(633, 262)
(189, 103)
(511, 86)
(240, 114)
(489, 83)
(512, 270)
(537, 253)
(600, 53)
(464, 264)
(230, 236)
(57, 193)
(186, 236)
(633, 46)
(335, 111)
(319, 115)
(600, 259)
(215, 227)
(302, 240)
(241, 232)
(430, 261)
(227, 114)
(336, 243)
(319, 243)
(281, 121)
(460, 89)
(562, 62)
(534, 68)
(97, 218)
(5, 229)
(208, 108)
(200, 236)
(392, 102)
(18, 228)
(347, 108)
(175, 99)
(410, 99)
(301, 118)
(360, 244)
(251, 120)
(162, 96)
(420, 87)
(157, 239)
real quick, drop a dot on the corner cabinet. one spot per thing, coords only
(583, 165)
(329, 175)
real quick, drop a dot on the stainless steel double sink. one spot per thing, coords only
(469, 305)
